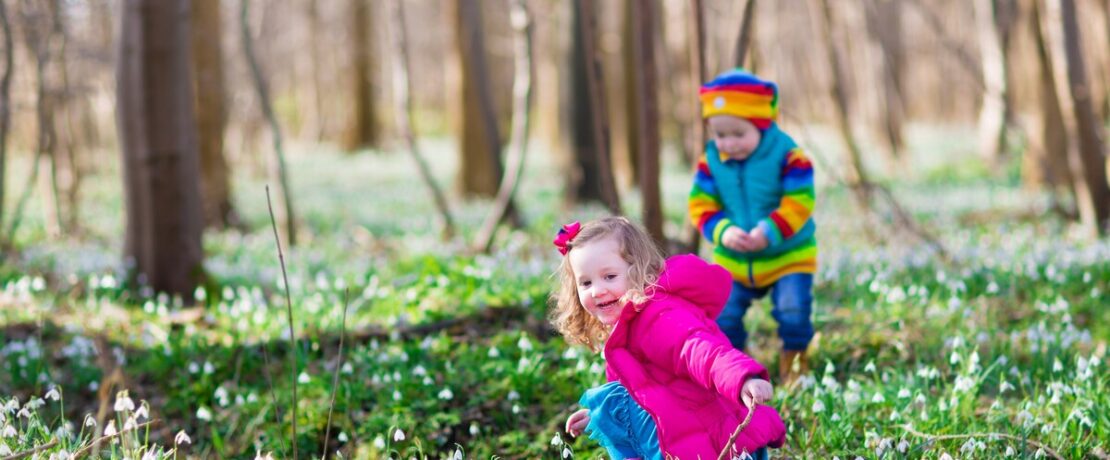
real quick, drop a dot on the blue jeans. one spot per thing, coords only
(792, 299)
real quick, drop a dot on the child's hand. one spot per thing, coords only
(734, 238)
(756, 391)
(577, 422)
(757, 240)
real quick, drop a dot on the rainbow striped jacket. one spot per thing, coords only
(772, 189)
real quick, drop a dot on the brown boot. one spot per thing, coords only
(792, 364)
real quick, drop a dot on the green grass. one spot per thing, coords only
(1009, 337)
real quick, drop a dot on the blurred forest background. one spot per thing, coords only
(419, 153)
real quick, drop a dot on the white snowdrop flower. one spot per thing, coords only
(53, 394)
(342, 436)
(851, 398)
(570, 353)
(396, 395)
(1010, 451)
(524, 344)
(1004, 387)
(513, 395)
(954, 358)
(556, 440)
(878, 398)
(516, 408)
(259, 456)
(396, 376)
(110, 428)
(347, 368)
(945, 456)
(818, 406)
(398, 435)
(90, 421)
(1057, 366)
(124, 402)
(379, 442)
(12, 405)
(150, 455)
(474, 429)
(829, 368)
(1039, 453)
(204, 414)
(904, 393)
(5, 450)
(854, 386)
(209, 368)
(870, 367)
(835, 418)
(181, 438)
(992, 288)
(130, 424)
(419, 371)
(458, 455)
(446, 394)
(193, 368)
(35, 403)
(964, 384)
(968, 447)
(8, 431)
(566, 452)
(143, 411)
(24, 413)
(427, 381)
(903, 446)
(303, 378)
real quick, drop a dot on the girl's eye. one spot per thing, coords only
(585, 284)
(609, 277)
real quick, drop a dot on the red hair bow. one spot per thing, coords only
(565, 235)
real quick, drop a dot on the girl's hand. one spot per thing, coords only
(756, 391)
(577, 422)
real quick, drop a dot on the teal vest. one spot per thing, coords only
(751, 189)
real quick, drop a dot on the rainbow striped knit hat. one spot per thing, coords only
(742, 94)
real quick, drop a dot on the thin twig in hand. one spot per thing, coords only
(335, 377)
(941, 437)
(289, 309)
(732, 439)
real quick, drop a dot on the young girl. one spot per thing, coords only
(677, 387)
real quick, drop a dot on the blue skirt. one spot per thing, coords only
(624, 428)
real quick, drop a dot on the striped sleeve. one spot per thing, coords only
(796, 205)
(705, 205)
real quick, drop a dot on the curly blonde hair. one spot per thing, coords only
(645, 262)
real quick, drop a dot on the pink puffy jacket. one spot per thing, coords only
(678, 365)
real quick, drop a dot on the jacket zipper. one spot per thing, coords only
(747, 216)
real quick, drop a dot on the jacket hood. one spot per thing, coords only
(705, 285)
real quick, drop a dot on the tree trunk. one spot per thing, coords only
(857, 175)
(215, 184)
(40, 37)
(647, 118)
(362, 127)
(695, 145)
(884, 21)
(992, 115)
(623, 92)
(475, 120)
(1048, 139)
(591, 121)
(66, 143)
(1086, 155)
(744, 37)
(278, 170)
(157, 138)
(522, 106)
(5, 102)
(402, 105)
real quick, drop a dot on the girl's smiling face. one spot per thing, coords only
(601, 276)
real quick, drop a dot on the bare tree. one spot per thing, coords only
(884, 22)
(480, 167)
(5, 100)
(402, 105)
(1086, 147)
(362, 127)
(994, 110)
(1049, 137)
(208, 66)
(157, 135)
(600, 167)
(647, 118)
(744, 36)
(278, 171)
(522, 105)
(696, 132)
